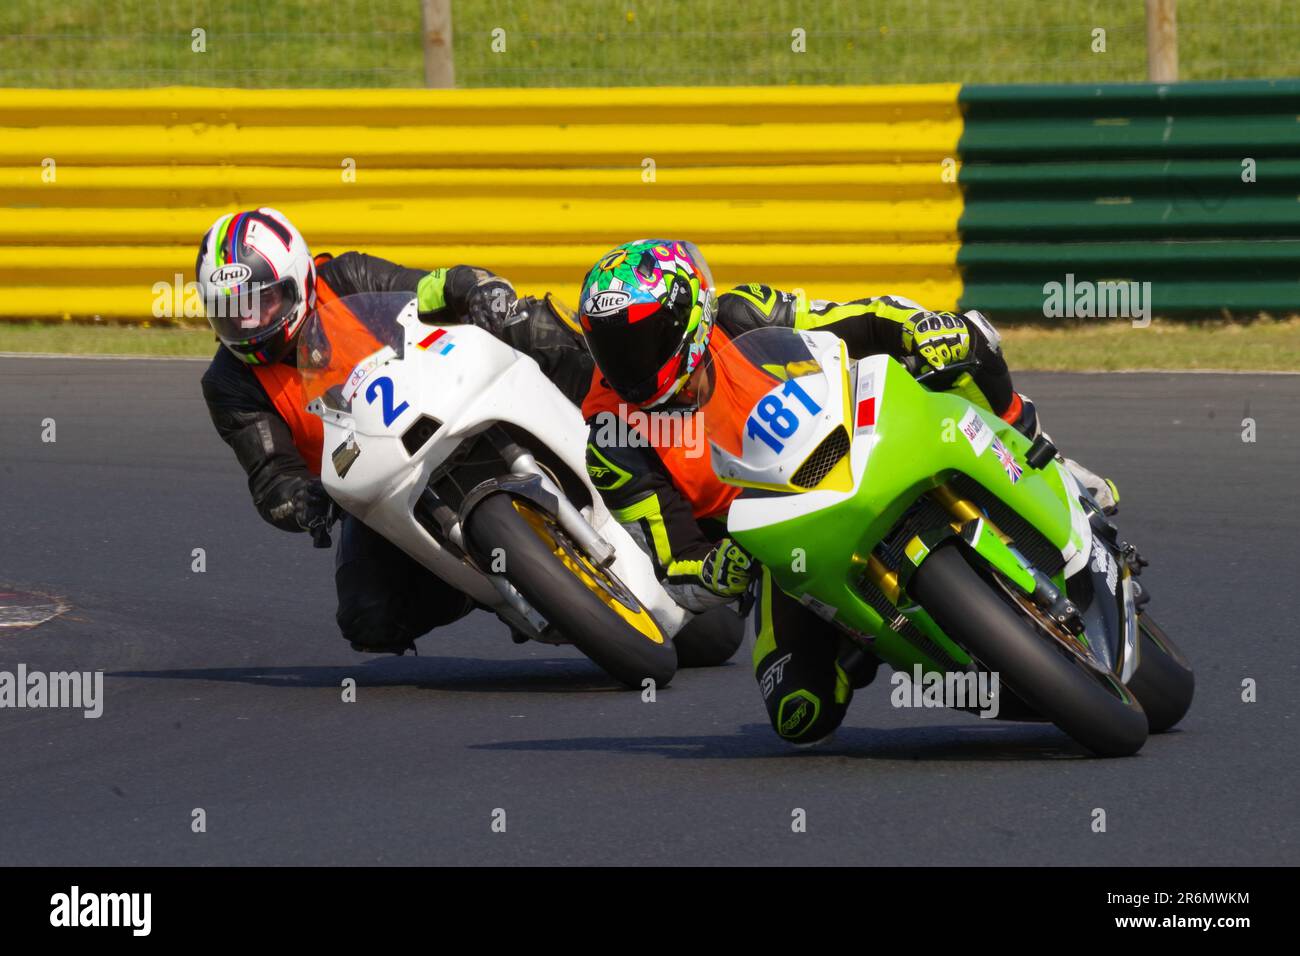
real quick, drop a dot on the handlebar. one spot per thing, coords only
(941, 378)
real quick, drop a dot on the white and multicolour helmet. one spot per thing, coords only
(258, 282)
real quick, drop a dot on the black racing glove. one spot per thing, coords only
(546, 309)
(489, 303)
(313, 509)
(727, 569)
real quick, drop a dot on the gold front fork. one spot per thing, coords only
(883, 578)
(962, 511)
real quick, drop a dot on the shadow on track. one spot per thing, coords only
(423, 673)
(1006, 742)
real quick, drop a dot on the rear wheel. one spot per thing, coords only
(586, 604)
(1090, 705)
(1163, 681)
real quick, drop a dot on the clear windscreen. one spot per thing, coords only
(343, 340)
(741, 374)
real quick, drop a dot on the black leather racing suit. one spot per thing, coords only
(795, 652)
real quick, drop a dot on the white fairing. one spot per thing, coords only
(759, 464)
(467, 380)
(1078, 549)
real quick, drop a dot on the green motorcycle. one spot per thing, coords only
(937, 535)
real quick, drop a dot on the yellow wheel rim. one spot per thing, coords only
(595, 580)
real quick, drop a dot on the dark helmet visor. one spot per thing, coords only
(252, 312)
(632, 355)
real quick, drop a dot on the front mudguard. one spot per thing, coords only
(979, 538)
(975, 537)
(528, 487)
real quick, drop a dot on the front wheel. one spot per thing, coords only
(586, 604)
(1093, 708)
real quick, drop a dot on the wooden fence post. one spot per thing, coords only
(1162, 41)
(439, 70)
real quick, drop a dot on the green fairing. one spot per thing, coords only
(837, 539)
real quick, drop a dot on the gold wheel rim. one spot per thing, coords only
(595, 580)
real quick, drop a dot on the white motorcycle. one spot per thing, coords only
(457, 449)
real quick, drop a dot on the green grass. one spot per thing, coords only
(1263, 345)
(74, 338)
(624, 42)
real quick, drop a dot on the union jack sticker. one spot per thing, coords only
(1007, 461)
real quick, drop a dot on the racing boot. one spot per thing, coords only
(1103, 490)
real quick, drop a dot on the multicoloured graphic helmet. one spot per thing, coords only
(647, 313)
(258, 283)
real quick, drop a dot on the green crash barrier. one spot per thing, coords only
(1193, 188)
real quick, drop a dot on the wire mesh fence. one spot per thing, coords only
(506, 43)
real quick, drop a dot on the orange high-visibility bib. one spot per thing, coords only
(283, 383)
(691, 474)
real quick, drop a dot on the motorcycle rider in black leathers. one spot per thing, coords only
(651, 314)
(385, 599)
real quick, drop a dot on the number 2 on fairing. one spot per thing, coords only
(384, 385)
(779, 419)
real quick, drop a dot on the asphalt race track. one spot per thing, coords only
(223, 689)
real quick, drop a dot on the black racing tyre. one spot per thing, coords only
(1096, 711)
(1163, 681)
(711, 638)
(583, 603)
